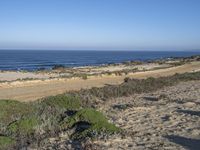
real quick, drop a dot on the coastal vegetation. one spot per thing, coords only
(25, 123)
(22, 124)
(133, 86)
(6, 142)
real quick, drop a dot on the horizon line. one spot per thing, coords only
(99, 49)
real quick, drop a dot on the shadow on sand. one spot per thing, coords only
(191, 144)
(190, 112)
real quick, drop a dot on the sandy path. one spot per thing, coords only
(33, 90)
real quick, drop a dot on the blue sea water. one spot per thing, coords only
(33, 60)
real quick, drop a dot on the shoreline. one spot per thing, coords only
(60, 71)
(40, 69)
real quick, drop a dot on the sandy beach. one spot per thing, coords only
(42, 85)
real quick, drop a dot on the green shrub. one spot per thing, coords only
(6, 142)
(52, 109)
(13, 110)
(24, 126)
(98, 123)
(66, 102)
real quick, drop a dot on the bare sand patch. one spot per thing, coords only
(18, 75)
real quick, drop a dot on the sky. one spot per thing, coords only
(100, 24)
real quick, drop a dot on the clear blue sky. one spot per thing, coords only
(100, 24)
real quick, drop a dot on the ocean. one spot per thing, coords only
(33, 60)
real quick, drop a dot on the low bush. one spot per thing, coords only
(6, 142)
(11, 111)
(27, 122)
(63, 101)
(132, 86)
(23, 127)
(95, 122)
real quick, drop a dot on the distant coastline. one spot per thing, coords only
(32, 60)
(62, 79)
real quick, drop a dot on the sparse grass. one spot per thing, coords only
(81, 75)
(25, 79)
(179, 63)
